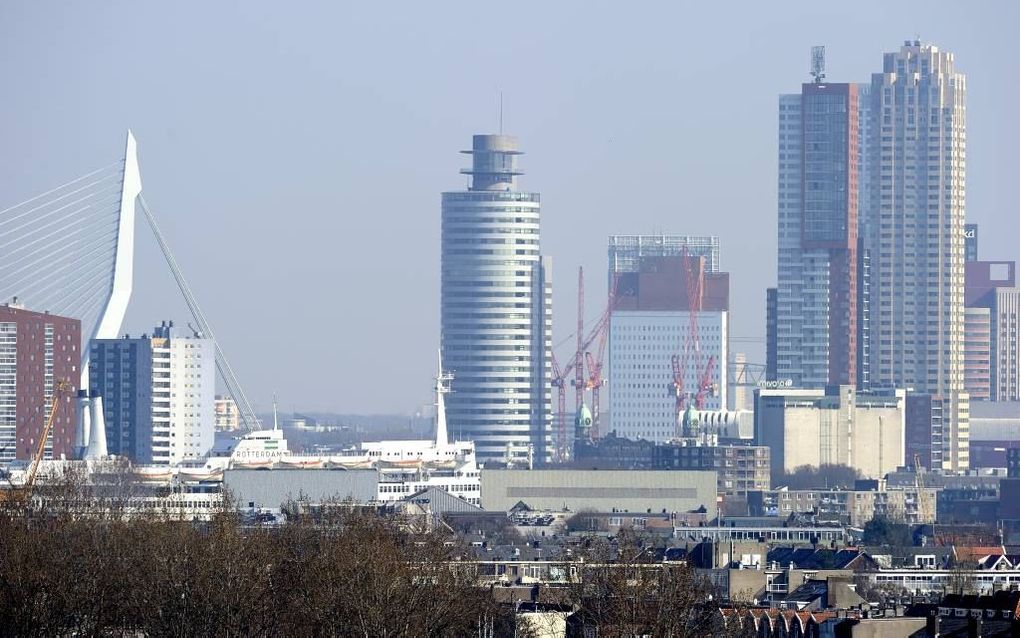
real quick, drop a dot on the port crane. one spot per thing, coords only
(61, 389)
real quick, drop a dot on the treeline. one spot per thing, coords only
(71, 567)
(810, 477)
(358, 575)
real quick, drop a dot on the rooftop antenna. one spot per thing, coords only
(818, 64)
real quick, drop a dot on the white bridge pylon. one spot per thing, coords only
(112, 315)
(71, 249)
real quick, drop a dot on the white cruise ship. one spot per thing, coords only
(404, 467)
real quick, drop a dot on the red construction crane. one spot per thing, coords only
(559, 381)
(596, 363)
(582, 356)
(694, 271)
(705, 386)
(579, 381)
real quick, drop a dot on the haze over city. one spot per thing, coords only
(295, 157)
(543, 320)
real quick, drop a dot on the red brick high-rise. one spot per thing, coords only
(37, 350)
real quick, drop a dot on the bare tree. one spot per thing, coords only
(622, 589)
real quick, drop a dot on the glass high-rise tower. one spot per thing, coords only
(817, 297)
(496, 310)
(871, 238)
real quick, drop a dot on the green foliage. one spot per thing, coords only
(882, 531)
(810, 477)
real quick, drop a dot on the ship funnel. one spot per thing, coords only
(97, 436)
(81, 428)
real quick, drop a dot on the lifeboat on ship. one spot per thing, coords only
(153, 473)
(294, 463)
(252, 464)
(200, 474)
(341, 463)
(401, 464)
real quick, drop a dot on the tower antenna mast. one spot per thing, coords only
(818, 64)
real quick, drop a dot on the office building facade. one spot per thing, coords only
(977, 353)
(771, 334)
(37, 351)
(817, 296)
(158, 394)
(641, 349)
(1005, 353)
(989, 335)
(496, 309)
(651, 323)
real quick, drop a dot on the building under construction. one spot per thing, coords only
(668, 332)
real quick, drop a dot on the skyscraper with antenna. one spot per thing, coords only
(816, 311)
(496, 309)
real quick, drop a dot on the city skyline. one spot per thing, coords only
(622, 182)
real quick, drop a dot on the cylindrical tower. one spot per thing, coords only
(496, 308)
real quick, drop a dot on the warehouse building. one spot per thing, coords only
(269, 489)
(600, 490)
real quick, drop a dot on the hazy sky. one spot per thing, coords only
(294, 152)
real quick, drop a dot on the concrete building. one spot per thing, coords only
(981, 278)
(926, 428)
(37, 350)
(914, 231)
(651, 323)
(600, 490)
(1005, 350)
(994, 431)
(740, 468)
(835, 425)
(817, 296)
(740, 396)
(496, 308)
(158, 394)
(977, 348)
(855, 507)
(228, 419)
(991, 350)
